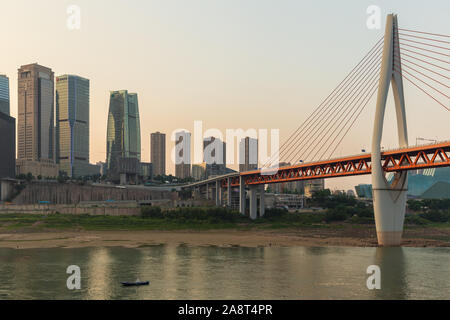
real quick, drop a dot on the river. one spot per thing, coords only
(183, 272)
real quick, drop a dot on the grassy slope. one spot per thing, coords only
(11, 222)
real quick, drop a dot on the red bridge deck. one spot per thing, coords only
(420, 157)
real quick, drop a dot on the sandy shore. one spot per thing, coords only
(359, 237)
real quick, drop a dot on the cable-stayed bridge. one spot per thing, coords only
(422, 59)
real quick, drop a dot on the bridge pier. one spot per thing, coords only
(229, 193)
(218, 194)
(262, 206)
(242, 197)
(253, 193)
(389, 200)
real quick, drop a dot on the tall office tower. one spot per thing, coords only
(199, 171)
(35, 113)
(7, 146)
(36, 137)
(146, 171)
(312, 186)
(215, 155)
(211, 145)
(248, 154)
(183, 154)
(4, 94)
(288, 187)
(123, 154)
(72, 125)
(158, 153)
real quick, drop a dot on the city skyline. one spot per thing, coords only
(123, 142)
(72, 125)
(4, 94)
(183, 154)
(158, 153)
(243, 84)
(36, 141)
(244, 153)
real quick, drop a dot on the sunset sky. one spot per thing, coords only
(230, 63)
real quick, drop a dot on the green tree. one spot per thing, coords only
(29, 177)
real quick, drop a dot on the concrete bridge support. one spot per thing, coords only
(254, 190)
(229, 193)
(389, 200)
(218, 194)
(207, 192)
(262, 207)
(242, 197)
(253, 202)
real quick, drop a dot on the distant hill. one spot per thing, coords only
(439, 190)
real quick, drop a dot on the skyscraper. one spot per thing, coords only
(215, 155)
(211, 145)
(4, 94)
(158, 153)
(183, 154)
(35, 113)
(248, 154)
(72, 125)
(288, 187)
(199, 171)
(7, 133)
(7, 146)
(123, 154)
(36, 137)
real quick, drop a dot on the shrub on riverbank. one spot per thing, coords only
(429, 204)
(212, 214)
(429, 210)
(436, 216)
(276, 215)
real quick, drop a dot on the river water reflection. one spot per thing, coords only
(182, 272)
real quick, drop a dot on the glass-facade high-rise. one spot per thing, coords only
(35, 113)
(7, 146)
(72, 125)
(35, 121)
(158, 153)
(4, 94)
(183, 154)
(248, 154)
(46, 118)
(124, 132)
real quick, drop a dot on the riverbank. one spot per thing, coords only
(356, 236)
(207, 227)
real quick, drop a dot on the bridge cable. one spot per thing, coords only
(427, 50)
(348, 88)
(437, 90)
(343, 115)
(421, 73)
(433, 34)
(423, 38)
(320, 107)
(418, 59)
(424, 55)
(354, 120)
(323, 105)
(328, 115)
(423, 43)
(421, 89)
(368, 89)
(418, 65)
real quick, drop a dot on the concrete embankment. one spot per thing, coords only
(71, 209)
(71, 193)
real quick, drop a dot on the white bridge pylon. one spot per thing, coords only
(389, 199)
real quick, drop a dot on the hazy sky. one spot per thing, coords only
(230, 63)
